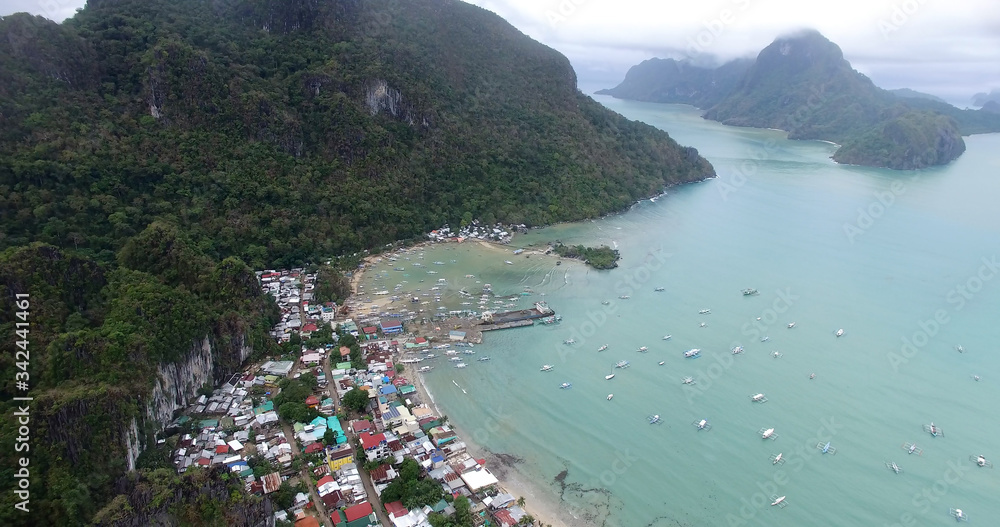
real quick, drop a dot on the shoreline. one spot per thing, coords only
(503, 465)
(539, 502)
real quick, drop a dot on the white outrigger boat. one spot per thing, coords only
(737, 350)
(981, 461)
(702, 325)
(483, 359)
(609, 376)
(643, 349)
(765, 338)
(565, 385)
(660, 363)
(602, 348)
(705, 312)
(933, 430)
(692, 353)
(461, 365)
(622, 364)
(826, 448)
(767, 433)
(667, 337)
(959, 515)
(569, 341)
(425, 369)
(840, 332)
(912, 448)
(659, 289)
(776, 354)
(960, 349)
(654, 419)
(758, 398)
(688, 380)
(547, 367)
(611, 396)
(702, 425)
(791, 325)
(778, 459)
(891, 465)
(779, 501)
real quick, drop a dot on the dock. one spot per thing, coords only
(506, 325)
(541, 310)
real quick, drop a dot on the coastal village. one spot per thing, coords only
(328, 430)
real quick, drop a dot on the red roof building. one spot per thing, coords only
(419, 340)
(396, 509)
(369, 441)
(345, 351)
(312, 401)
(222, 449)
(504, 518)
(310, 327)
(369, 330)
(314, 447)
(358, 511)
(361, 425)
(307, 521)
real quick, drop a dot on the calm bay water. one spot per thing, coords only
(878, 253)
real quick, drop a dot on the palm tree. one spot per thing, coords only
(520, 501)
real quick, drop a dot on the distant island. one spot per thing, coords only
(802, 84)
(602, 257)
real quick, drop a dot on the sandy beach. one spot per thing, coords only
(503, 466)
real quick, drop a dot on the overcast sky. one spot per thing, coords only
(950, 48)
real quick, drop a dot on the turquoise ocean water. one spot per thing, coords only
(885, 255)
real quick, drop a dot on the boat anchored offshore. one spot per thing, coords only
(622, 364)
(611, 396)
(702, 425)
(826, 449)
(660, 363)
(425, 369)
(737, 350)
(891, 465)
(750, 292)
(569, 341)
(791, 325)
(609, 376)
(912, 448)
(958, 515)
(667, 337)
(692, 353)
(643, 349)
(483, 359)
(602, 348)
(688, 380)
(778, 459)
(933, 430)
(461, 365)
(547, 367)
(779, 501)
(758, 398)
(767, 433)
(705, 312)
(981, 461)
(565, 385)
(765, 338)
(960, 349)
(654, 419)
(840, 332)
(659, 289)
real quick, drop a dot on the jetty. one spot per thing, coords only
(506, 325)
(514, 319)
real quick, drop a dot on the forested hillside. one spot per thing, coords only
(280, 130)
(153, 153)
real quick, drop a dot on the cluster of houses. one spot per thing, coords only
(238, 421)
(496, 233)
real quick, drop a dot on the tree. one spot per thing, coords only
(356, 399)
(330, 437)
(284, 497)
(520, 501)
(463, 512)
(297, 412)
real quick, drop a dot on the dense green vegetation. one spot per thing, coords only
(803, 84)
(154, 152)
(342, 126)
(602, 257)
(680, 82)
(413, 490)
(98, 333)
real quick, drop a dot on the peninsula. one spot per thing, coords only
(802, 83)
